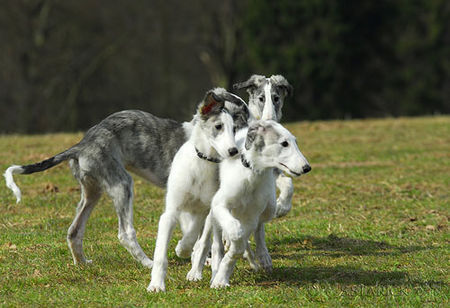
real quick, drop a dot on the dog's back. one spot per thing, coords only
(144, 143)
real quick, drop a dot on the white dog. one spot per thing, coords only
(246, 197)
(193, 181)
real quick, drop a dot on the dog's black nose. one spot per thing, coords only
(233, 151)
(306, 169)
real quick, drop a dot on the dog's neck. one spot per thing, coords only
(203, 148)
(256, 173)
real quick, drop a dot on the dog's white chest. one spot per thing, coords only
(204, 184)
(193, 180)
(253, 196)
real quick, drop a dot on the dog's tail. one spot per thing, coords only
(37, 167)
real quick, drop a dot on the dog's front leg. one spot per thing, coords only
(222, 277)
(226, 221)
(167, 223)
(284, 201)
(200, 252)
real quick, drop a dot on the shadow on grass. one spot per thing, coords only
(334, 246)
(345, 275)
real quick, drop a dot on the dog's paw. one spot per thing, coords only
(194, 275)
(253, 264)
(282, 209)
(266, 261)
(183, 252)
(250, 256)
(284, 201)
(147, 263)
(219, 284)
(156, 287)
(87, 262)
(82, 262)
(234, 232)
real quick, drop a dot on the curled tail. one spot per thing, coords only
(37, 167)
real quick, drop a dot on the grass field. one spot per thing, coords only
(369, 227)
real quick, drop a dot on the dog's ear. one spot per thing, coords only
(282, 83)
(254, 136)
(252, 83)
(212, 104)
(239, 113)
(238, 110)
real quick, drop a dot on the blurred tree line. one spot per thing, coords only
(65, 65)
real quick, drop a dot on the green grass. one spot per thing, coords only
(369, 227)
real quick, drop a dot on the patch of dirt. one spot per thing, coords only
(50, 187)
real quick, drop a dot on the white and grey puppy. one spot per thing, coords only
(130, 140)
(193, 181)
(246, 197)
(266, 99)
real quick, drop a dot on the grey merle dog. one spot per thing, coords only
(133, 140)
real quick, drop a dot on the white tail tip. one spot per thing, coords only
(10, 180)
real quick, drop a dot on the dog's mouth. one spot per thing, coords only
(290, 171)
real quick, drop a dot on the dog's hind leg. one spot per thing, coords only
(120, 188)
(217, 249)
(90, 194)
(191, 225)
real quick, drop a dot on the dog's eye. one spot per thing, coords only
(285, 144)
(261, 99)
(219, 126)
(276, 99)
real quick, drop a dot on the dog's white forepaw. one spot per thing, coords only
(282, 208)
(219, 284)
(266, 261)
(156, 287)
(284, 201)
(234, 231)
(194, 275)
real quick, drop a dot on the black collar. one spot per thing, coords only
(245, 162)
(203, 156)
